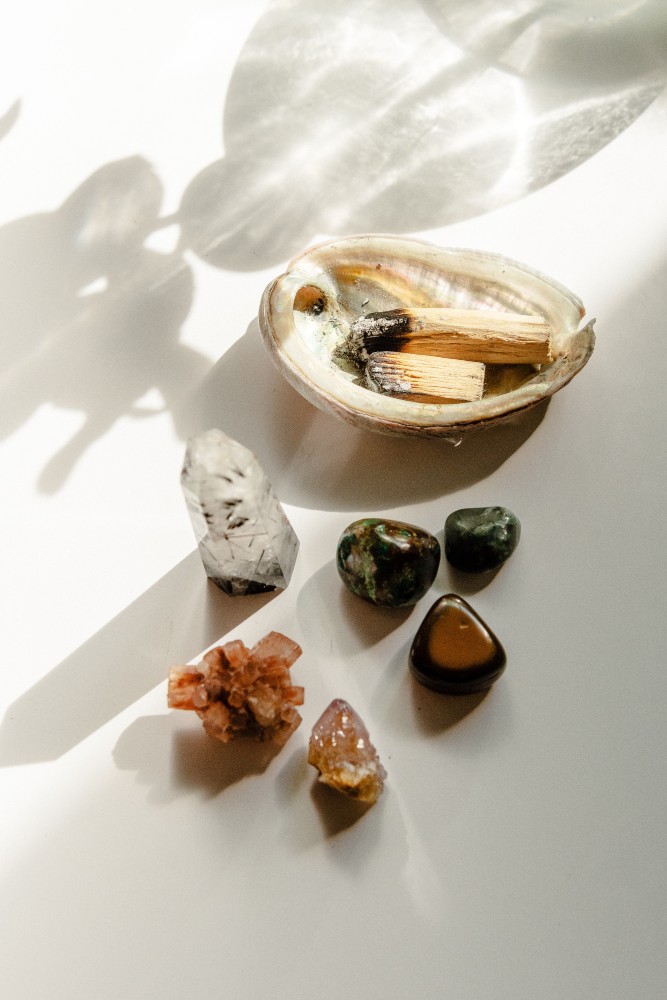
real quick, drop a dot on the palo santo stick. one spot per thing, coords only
(425, 379)
(487, 335)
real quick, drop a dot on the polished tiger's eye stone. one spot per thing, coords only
(454, 651)
(478, 539)
(388, 563)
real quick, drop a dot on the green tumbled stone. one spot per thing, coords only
(389, 563)
(478, 539)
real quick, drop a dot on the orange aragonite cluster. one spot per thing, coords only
(239, 691)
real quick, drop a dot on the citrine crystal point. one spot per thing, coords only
(245, 540)
(388, 563)
(454, 651)
(237, 691)
(341, 750)
(479, 539)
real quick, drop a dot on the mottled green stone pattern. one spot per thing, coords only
(388, 563)
(478, 539)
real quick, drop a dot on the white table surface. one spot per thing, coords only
(159, 164)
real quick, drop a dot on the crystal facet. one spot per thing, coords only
(236, 690)
(454, 651)
(478, 539)
(389, 563)
(245, 540)
(341, 750)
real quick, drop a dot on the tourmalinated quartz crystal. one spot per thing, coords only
(341, 750)
(389, 563)
(454, 651)
(245, 540)
(240, 691)
(478, 539)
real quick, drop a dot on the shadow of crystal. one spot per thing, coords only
(200, 762)
(337, 811)
(360, 838)
(178, 617)
(174, 757)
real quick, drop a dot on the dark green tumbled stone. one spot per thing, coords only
(389, 563)
(478, 539)
(454, 651)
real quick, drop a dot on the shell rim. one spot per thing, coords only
(427, 419)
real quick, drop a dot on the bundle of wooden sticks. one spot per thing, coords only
(439, 355)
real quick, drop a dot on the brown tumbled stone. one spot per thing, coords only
(454, 651)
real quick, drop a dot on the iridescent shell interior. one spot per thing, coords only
(306, 313)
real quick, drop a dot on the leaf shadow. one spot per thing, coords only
(439, 126)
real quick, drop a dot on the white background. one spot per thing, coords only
(159, 164)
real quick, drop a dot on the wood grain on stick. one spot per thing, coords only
(486, 335)
(425, 379)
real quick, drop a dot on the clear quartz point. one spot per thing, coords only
(246, 543)
(341, 750)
